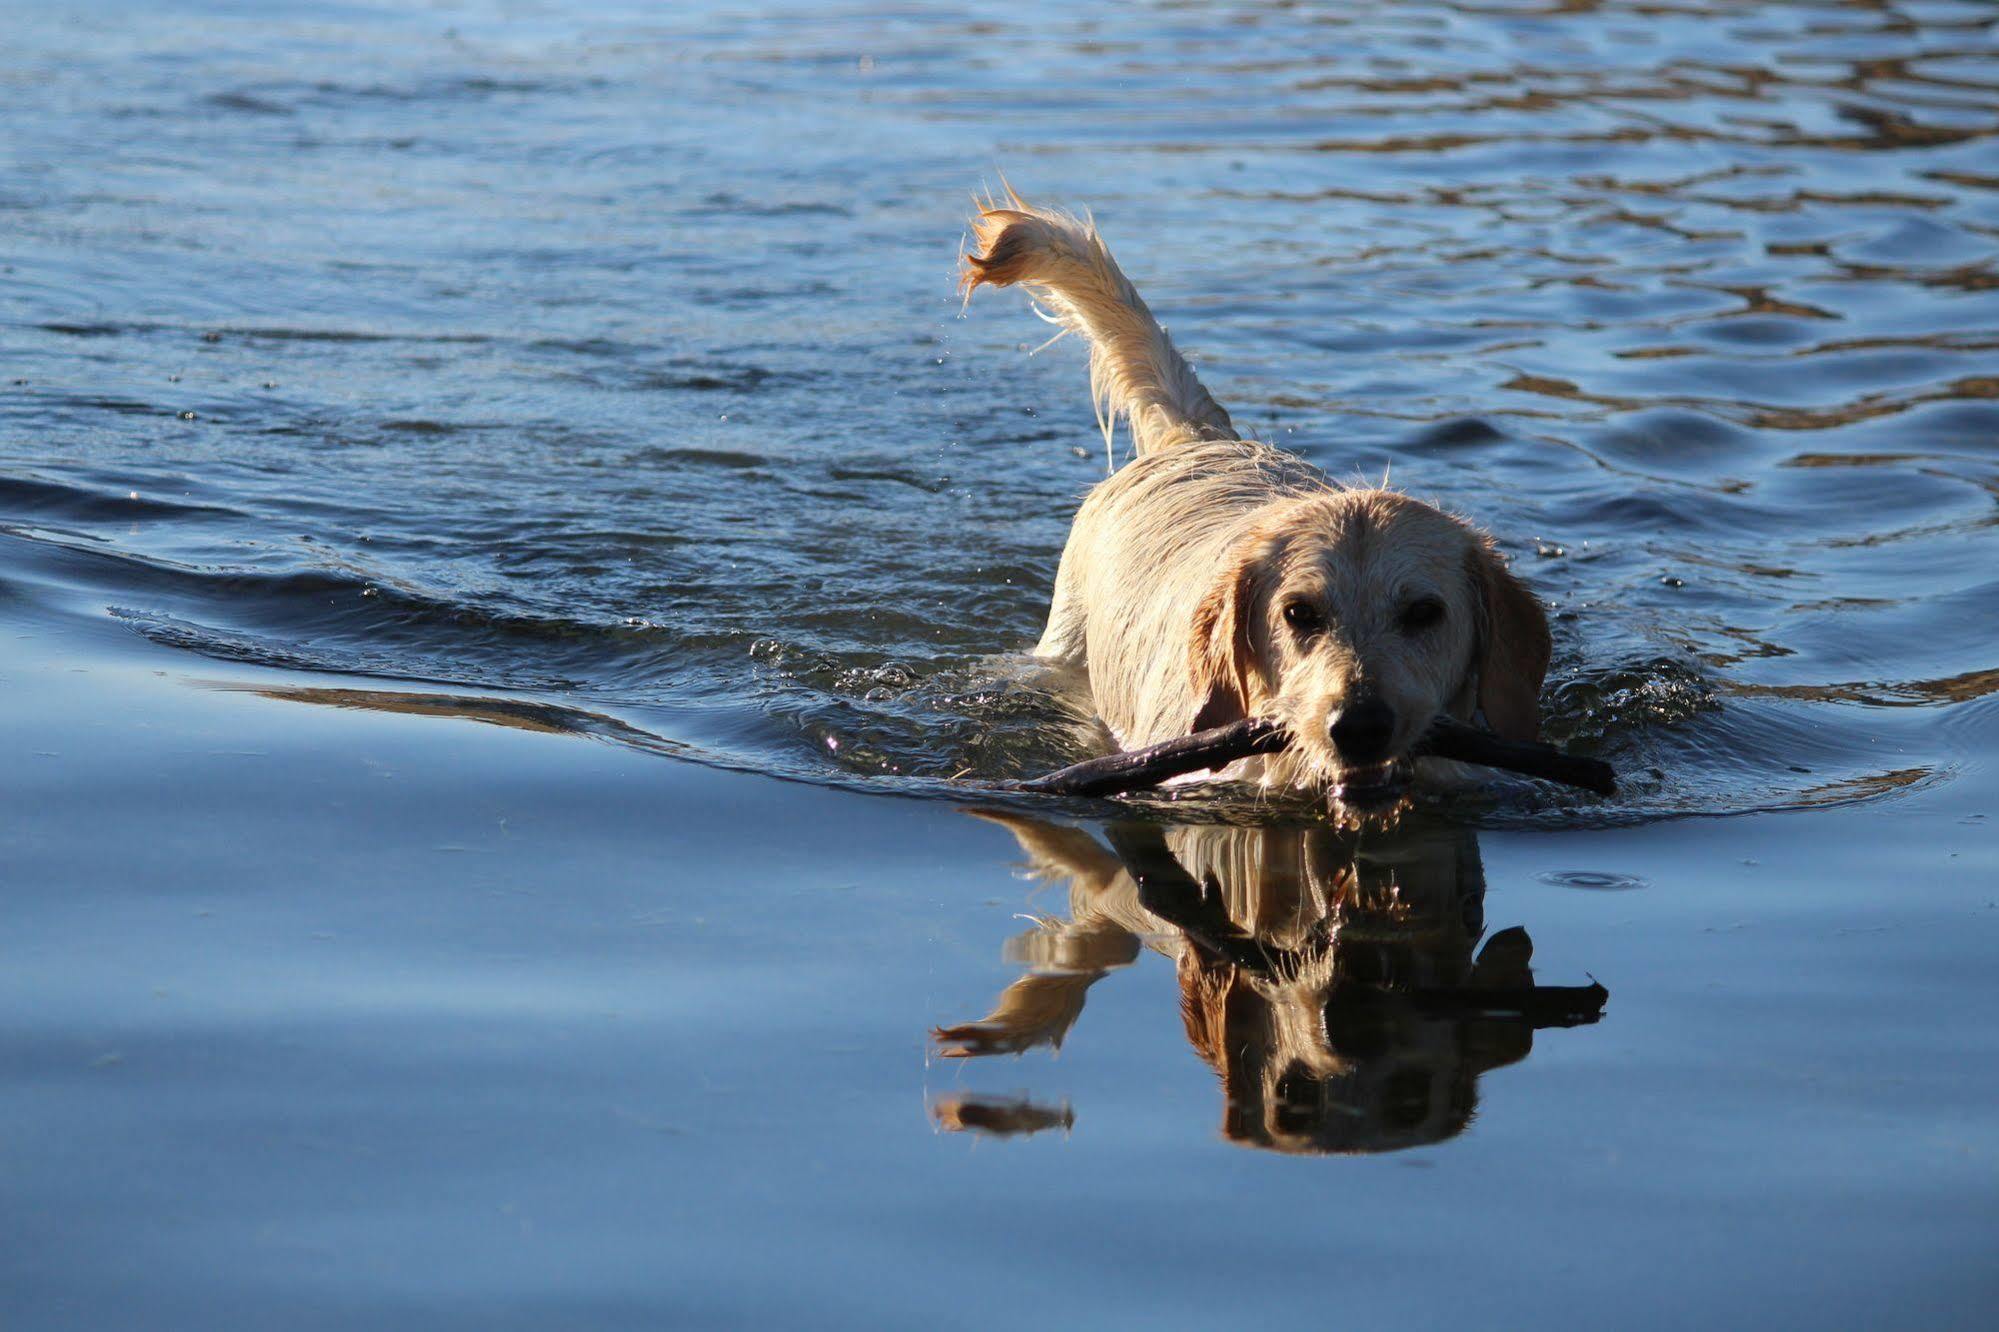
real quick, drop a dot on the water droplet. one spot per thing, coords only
(1595, 881)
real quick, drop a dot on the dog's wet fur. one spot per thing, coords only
(1213, 578)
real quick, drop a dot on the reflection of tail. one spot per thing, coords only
(998, 1116)
(1134, 370)
(1067, 957)
(1037, 1009)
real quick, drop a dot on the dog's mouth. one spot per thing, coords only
(1377, 786)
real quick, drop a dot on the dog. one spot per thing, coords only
(1345, 993)
(1214, 578)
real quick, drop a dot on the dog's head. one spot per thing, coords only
(1326, 1035)
(1358, 617)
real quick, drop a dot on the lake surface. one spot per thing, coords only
(509, 549)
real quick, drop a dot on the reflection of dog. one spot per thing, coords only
(1334, 993)
(1213, 578)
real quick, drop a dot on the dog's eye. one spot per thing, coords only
(1420, 614)
(1303, 616)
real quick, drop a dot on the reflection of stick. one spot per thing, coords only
(1216, 749)
(1539, 1005)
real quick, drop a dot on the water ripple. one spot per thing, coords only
(469, 366)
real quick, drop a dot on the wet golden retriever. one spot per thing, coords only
(1214, 578)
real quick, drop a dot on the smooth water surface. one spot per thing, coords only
(507, 538)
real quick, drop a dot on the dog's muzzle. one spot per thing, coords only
(1362, 732)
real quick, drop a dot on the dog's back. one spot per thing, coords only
(1214, 578)
(1145, 538)
(1144, 548)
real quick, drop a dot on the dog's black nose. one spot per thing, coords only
(1363, 729)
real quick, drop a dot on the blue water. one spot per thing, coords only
(508, 540)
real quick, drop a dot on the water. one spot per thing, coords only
(374, 372)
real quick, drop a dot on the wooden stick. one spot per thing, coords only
(1450, 739)
(1137, 769)
(1216, 749)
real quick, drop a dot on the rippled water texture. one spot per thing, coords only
(615, 359)
(597, 370)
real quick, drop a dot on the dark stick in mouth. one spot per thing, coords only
(1212, 750)
(1450, 739)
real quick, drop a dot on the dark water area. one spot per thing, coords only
(510, 545)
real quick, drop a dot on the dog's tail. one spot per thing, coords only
(1134, 370)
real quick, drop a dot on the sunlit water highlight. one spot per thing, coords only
(566, 360)
(398, 398)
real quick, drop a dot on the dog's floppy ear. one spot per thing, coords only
(1220, 657)
(1513, 648)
